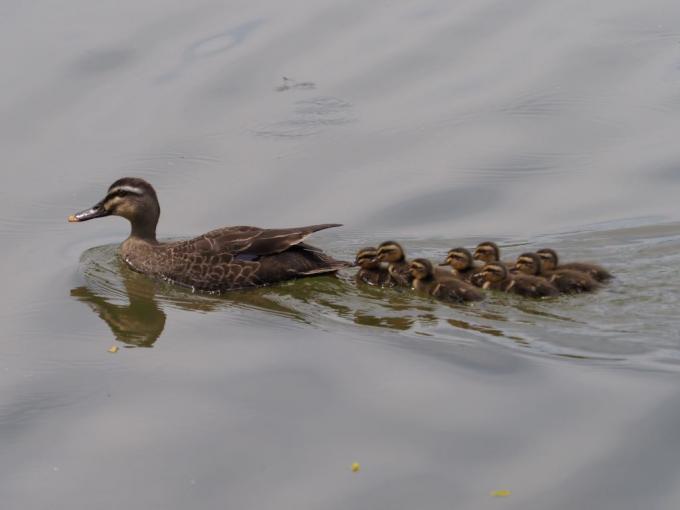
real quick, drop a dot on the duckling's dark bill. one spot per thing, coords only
(88, 214)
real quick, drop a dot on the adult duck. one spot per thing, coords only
(220, 260)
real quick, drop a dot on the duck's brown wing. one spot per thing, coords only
(458, 291)
(253, 241)
(241, 257)
(597, 272)
(533, 286)
(568, 280)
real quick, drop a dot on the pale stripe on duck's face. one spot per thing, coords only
(527, 265)
(548, 259)
(486, 253)
(124, 189)
(494, 272)
(417, 270)
(117, 201)
(458, 260)
(367, 258)
(390, 252)
(420, 269)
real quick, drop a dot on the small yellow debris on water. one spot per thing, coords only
(355, 467)
(114, 349)
(500, 494)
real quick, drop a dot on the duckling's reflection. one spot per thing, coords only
(141, 321)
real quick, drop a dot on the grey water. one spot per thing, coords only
(434, 123)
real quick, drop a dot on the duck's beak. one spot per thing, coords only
(96, 211)
(447, 262)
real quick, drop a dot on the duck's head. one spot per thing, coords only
(494, 272)
(459, 259)
(529, 263)
(367, 258)
(549, 258)
(133, 199)
(487, 252)
(390, 252)
(420, 269)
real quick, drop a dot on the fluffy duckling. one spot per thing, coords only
(393, 254)
(567, 281)
(488, 252)
(371, 271)
(450, 289)
(462, 264)
(497, 277)
(551, 263)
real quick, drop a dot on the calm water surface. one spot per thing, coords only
(437, 124)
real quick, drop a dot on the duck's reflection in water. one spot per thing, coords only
(138, 323)
(135, 307)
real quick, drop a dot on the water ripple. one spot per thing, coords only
(631, 321)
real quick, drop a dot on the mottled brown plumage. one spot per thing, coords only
(488, 252)
(393, 254)
(220, 260)
(551, 263)
(446, 289)
(497, 277)
(566, 281)
(371, 270)
(463, 266)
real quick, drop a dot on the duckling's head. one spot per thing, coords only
(367, 258)
(494, 272)
(487, 252)
(132, 198)
(421, 269)
(459, 259)
(548, 258)
(529, 263)
(391, 251)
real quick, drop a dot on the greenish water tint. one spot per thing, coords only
(631, 320)
(435, 123)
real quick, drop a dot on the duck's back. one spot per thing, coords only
(457, 291)
(596, 272)
(531, 286)
(233, 258)
(570, 281)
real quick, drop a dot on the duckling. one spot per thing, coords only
(371, 271)
(393, 254)
(449, 289)
(566, 280)
(551, 263)
(220, 260)
(489, 251)
(462, 264)
(497, 277)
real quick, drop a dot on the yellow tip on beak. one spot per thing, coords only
(72, 219)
